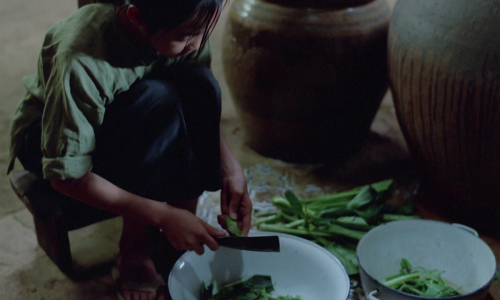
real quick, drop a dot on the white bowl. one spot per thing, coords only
(300, 268)
(467, 260)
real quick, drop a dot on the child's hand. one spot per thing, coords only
(236, 202)
(234, 199)
(186, 231)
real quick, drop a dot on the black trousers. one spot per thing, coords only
(159, 139)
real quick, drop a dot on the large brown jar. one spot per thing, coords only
(445, 77)
(306, 77)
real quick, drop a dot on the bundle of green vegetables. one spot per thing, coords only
(257, 287)
(420, 282)
(336, 221)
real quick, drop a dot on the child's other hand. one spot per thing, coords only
(235, 201)
(186, 231)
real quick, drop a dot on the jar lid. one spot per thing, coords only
(333, 4)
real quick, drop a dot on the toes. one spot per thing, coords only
(133, 295)
(163, 293)
(127, 295)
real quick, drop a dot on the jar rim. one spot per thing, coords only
(331, 4)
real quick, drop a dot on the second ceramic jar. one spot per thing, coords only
(306, 77)
(444, 69)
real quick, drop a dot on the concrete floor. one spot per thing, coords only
(25, 270)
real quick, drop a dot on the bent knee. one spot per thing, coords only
(157, 95)
(206, 81)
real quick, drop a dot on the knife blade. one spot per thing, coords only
(253, 243)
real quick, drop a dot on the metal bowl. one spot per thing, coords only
(301, 268)
(467, 260)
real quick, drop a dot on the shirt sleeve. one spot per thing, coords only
(75, 98)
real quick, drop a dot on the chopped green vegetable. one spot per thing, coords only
(405, 265)
(206, 291)
(257, 287)
(337, 221)
(420, 282)
(232, 227)
(498, 275)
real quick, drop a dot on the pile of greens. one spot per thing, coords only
(420, 282)
(257, 287)
(335, 221)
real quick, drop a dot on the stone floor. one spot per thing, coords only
(25, 270)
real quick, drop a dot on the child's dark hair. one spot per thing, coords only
(168, 14)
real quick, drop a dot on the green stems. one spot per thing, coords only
(348, 195)
(401, 279)
(342, 218)
(293, 231)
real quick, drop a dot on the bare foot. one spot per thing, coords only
(137, 269)
(135, 263)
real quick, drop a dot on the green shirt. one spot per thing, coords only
(85, 61)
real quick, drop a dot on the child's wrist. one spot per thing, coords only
(158, 214)
(231, 167)
(150, 212)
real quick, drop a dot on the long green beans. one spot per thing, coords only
(336, 221)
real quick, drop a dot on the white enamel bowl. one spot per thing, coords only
(301, 268)
(467, 260)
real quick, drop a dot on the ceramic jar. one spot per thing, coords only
(306, 77)
(444, 66)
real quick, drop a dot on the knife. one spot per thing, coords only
(254, 243)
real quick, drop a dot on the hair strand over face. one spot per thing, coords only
(168, 14)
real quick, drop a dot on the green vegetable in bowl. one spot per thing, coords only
(257, 287)
(420, 282)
